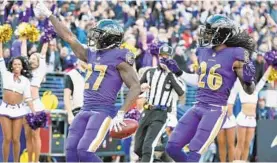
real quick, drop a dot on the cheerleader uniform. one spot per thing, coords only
(38, 76)
(242, 119)
(231, 120)
(22, 86)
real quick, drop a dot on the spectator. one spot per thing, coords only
(68, 60)
(53, 57)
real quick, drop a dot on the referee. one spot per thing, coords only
(162, 84)
(74, 84)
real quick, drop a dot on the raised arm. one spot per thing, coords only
(246, 75)
(244, 69)
(189, 79)
(78, 49)
(263, 80)
(23, 46)
(44, 49)
(1, 50)
(2, 61)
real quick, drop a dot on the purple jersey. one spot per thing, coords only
(103, 80)
(216, 74)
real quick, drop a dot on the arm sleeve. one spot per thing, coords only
(68, 83)
(190, 79)
(234, 91)
(38, 77)
(177, 85)
(36, 81)
(42, 64)
(27, 91)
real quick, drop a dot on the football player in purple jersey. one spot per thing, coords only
(223, 56)
(108, 68)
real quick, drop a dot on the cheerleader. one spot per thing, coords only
(16, 90)
(246, 119)
(227, 132)
(38, 66)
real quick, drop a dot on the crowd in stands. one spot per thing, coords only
(172, 21)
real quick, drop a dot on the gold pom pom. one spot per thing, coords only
(5, 33)
(21, 30)
(129, 47)
(29, 31)
(32, 33)
(273, 75)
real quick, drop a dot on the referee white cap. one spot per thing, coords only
(166, 49)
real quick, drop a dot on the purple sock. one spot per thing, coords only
(88, 156)
(176, 152)
(71, 155)
(193, 157)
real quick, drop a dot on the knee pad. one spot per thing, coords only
(246, 121)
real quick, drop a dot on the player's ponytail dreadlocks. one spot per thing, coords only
(242, 39)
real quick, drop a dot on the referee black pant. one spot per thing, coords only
(151, 127)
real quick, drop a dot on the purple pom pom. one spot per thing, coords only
(31, 120)
(133, 114)
(37, 120)
(49, 34)
(271, 58)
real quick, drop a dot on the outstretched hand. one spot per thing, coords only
(41, 10)
(3, 5)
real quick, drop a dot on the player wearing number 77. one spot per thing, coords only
(108, 68)
(226, 58)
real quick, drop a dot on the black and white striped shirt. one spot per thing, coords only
(163, 85)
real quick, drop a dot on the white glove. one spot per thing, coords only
(70, 118)
(3, 5)
(118, 121)
(41, 10)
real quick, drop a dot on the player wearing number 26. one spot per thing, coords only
(223, 56)
(108, 68)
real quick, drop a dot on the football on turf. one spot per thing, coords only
(128, 130)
